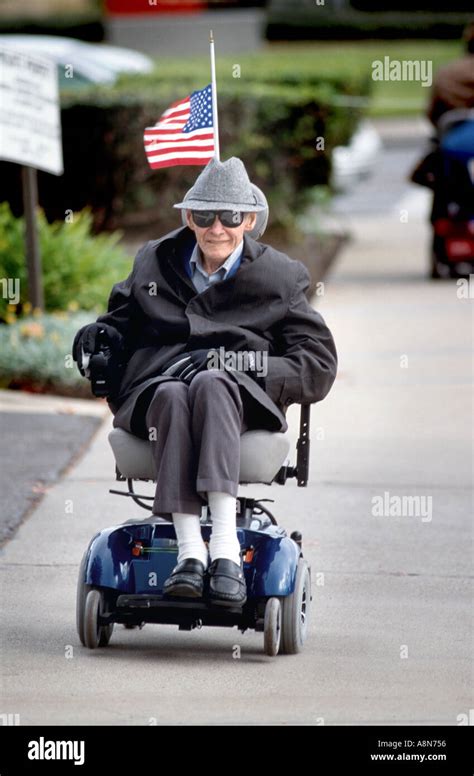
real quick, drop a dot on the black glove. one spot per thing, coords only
(88, 341)
(186, 365)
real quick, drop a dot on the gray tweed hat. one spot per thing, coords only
(222, 186)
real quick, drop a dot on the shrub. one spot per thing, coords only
(364, 19)
(270, 117)
(78, 268)
(35, 354)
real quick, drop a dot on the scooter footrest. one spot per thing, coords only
(146, 601)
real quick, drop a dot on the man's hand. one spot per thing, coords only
(87, 342)
(186, 365)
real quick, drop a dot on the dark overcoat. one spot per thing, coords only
(262, 307)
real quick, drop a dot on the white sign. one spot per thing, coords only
(30, 123)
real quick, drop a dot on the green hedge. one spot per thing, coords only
(87, 26)
(304, 20)
(296, 66)
(79, 268)
(270, 117)
(272, 128)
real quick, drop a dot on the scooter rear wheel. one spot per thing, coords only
(95, 635)
(81, 595)
(295, 612)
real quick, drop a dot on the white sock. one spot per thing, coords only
(190, 541)
(224, 542)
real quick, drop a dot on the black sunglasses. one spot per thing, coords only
(229, 218)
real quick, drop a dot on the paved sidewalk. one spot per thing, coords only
(389, 640)
(41, 436)
(396, 606)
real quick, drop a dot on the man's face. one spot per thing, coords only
(217, 242)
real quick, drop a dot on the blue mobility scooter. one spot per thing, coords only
(124, 567)
(453, 201)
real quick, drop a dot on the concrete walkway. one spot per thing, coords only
(390, 635)
(41, 437)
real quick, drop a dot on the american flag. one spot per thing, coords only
(184, 134)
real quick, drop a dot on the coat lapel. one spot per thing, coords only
(171, 253)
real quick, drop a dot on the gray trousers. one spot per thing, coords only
(195, 433)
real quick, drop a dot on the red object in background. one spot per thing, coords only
(444, 227)
(137, 7)
(458, 238)
(460, 249)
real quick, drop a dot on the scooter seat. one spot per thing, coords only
(262, 453)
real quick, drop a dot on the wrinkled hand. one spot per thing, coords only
(186, 365)
(87, 342)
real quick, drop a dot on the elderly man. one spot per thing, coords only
(204, 289)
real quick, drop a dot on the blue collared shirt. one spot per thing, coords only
(200, 277)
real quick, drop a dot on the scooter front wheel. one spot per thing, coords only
(272, 627)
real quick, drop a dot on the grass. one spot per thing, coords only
(392, 98)
(333, 59)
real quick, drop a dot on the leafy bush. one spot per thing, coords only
(79, 268)
(35, 354)
(363, 19)
(298, 66)
(272, 127)
(87, 25)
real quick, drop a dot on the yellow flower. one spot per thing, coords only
(73, 305)
(37, 312)
(27, 307)
(33, 330)
(10, 318)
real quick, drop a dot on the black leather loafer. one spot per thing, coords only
(186, 580)
(227, 585)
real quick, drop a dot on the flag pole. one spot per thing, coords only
(214, 98)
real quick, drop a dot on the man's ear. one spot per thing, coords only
(189, 220)
(250, 221)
